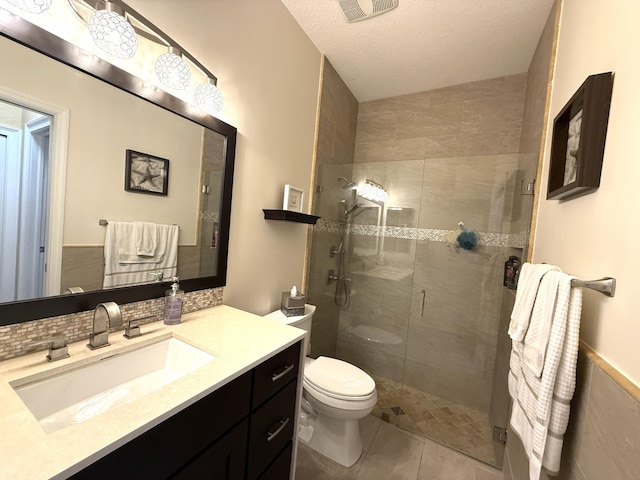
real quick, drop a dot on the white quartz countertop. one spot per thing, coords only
(239, 341)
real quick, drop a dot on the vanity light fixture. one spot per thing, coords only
(120, 31)
(33, 6)
(172, 70)
(208, 98)
(112, 32)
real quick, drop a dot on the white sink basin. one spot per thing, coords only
(63, 398)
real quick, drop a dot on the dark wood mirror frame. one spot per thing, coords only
(31, 36)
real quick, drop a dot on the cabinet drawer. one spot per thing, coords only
(280, 469)
(275, 373)
(271, 428)
(165, 448)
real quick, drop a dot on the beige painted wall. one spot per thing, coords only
(595, 235)
(268, 71)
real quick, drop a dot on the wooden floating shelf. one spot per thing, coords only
(289, 216)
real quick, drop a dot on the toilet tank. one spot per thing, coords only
(298, 321)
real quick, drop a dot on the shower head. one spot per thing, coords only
(348, 185)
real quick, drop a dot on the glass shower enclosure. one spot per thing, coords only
(399, 296)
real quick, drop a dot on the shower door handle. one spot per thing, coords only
(424, 294)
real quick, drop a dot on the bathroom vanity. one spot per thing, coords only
(233, 417)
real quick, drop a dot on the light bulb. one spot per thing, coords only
(208, 98)
(372, 191)
(112, 33)
(33, 6)
(172, 70)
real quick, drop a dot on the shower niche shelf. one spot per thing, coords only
(289, 216)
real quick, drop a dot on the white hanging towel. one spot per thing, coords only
(124, 267)
(540, 412)
(146, 235)
(528, 283)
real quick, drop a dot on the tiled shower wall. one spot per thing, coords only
(445, 156)
(77, 326)
(334, 156)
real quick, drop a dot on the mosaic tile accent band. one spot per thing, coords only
(77, 326)
(487, 239)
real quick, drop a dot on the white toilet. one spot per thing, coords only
(336, 395)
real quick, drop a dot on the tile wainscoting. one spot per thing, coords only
(603, 438)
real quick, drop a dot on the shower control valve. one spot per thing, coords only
(331, 276)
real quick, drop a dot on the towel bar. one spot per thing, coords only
(606, 285)
(103, 222)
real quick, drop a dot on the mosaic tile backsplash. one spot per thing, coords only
(77, 326)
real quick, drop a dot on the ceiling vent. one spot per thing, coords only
(356, 10)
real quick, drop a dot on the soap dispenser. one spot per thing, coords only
(173, 304)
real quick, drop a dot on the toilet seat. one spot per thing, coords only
(338, 379)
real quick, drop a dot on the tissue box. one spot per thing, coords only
(292, 306)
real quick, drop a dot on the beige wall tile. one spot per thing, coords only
(82, 267)
(493, 87)
(602, 440)
(391, 150)
(493, 113)
(611, 439)
(434, 120)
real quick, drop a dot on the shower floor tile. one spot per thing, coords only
(457, 426)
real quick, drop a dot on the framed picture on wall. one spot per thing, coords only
(293, 198)
(579, 133)
(144, 173)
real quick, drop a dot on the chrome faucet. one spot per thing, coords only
(106, 315)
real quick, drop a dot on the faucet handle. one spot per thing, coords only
(132, 329)
(157, 275)
(57, 347)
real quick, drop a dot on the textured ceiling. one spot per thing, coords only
(424, 44)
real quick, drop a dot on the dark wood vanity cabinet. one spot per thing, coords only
(242, 431)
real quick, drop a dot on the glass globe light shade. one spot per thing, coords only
(372, 191)
(33, 6)
(113, 34)
(208, 98)
(172, 70)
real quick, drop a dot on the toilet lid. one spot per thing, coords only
(341, 378)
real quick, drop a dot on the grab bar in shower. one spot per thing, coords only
(605, 285)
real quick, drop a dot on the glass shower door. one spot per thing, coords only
(457, 298)
(373, 331)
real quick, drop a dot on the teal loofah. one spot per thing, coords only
(467, 239)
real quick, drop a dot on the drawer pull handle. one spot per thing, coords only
(277, 376)
(271, 435)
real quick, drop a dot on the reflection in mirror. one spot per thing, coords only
(24, 189)
(104, 122)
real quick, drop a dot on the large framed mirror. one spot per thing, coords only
(93, 112)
